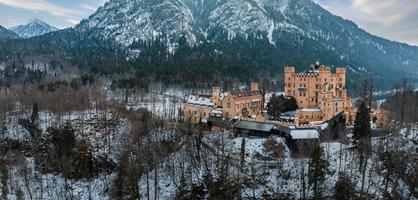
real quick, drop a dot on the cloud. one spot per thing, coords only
(41, 5)
(392, 19)
(388, 12)
(88, 7)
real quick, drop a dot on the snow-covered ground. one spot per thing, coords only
(105, 130)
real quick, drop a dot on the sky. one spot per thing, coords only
(392, 19)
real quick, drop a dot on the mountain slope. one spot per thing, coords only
(286, 25)
(211, 41)
(5, 33)
(34, 28)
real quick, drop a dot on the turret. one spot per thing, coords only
(341, 70)
(216, 92)
(254, 87)
(288, 69)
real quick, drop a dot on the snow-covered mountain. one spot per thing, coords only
(298, 23)
(129, 20)
(34, 28)
(5, 33)
(244, 39)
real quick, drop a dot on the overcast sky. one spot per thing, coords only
(392, 19)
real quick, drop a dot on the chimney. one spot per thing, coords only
(254, 87)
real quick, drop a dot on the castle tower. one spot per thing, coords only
(288, 80)
(341, 72)
(216, 93)
(254, 87)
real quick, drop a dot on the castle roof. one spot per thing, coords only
(203, 100)
(244, 93)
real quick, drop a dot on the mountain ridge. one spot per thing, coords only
(6, 33)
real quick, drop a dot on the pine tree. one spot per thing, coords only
(344, 188)
(242, 155)
(361, 124)
(35, 113)
(4, 178)
(280, 104)
(318, 167)
(362, 132)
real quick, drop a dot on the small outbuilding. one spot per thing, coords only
(253, 128)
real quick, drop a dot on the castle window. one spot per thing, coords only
(195, 112)
(228, 105)
(254, 104)
(204, 114)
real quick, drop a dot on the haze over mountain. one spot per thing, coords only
(247, 39)
(34, 28)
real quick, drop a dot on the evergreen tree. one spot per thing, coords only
(4, 178)
(35, 113)
(279, 104)
(344, 188)
(242, 155)
(291, 104)
(362, 132)
(362, 124)
(318, 167)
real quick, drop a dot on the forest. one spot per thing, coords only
(94, 138)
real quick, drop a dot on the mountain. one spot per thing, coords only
(299, 29)
(211, 41)
(34, 28)
(5, 33)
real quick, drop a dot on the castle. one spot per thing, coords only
(232, 104)
(320, 94)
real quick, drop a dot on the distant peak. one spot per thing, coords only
(33, 28)
(36, 21)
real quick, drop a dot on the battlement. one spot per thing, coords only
(324, 68)
(305, 75)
